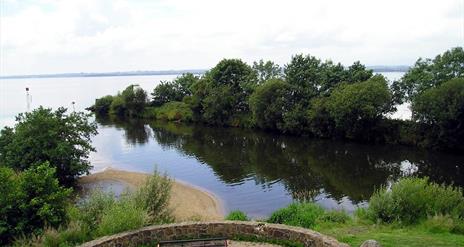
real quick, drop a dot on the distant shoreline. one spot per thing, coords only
(399, 68)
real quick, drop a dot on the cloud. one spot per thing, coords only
(71, 36)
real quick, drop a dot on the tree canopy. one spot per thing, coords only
(43, 135)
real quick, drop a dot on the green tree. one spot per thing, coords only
(102, 105)
(176, 90)
(357, 108)
(266, 70)
(269, 103)
(429, 73)
(357, 72)
(440, 110)
(30, 200)
(44, 135)
(223, 91)
(135, 99)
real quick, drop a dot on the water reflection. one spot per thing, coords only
(308, 169)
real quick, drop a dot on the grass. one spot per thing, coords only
(237, 215)
(355, 234)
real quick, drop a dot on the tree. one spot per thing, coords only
(176, 90)
(266, 70)
(223, 91)
(357, 108)
(102, 105)
(440, 110)
(428, 73)
(357, 72)
(269, 103)
(30, 200)
(44, 135)
(135, 99)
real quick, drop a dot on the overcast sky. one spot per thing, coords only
(46, 36)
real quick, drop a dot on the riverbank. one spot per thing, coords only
(187, 201)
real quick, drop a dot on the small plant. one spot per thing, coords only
(411, 200)
(298, 214)
(154, 197)
(237, 215)
(123, 215)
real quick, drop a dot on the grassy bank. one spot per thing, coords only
(413, 212)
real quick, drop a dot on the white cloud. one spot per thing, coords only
(71, 36)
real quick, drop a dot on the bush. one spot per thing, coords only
(125, 214)
(237, 215)
(91, 209)
(441, 112)
(43, 135)
(297, 214)
(30, 201)
(154, 197)
(102, 105)
(411, 200)
(174, 111)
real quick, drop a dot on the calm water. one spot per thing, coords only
(249, 170)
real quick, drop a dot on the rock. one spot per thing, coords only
(370, 243)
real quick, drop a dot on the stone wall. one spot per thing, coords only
(227, 229)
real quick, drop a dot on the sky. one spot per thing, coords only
(47, 36)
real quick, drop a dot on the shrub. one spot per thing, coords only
(174, 111)
(43, 135)
(91, 209)
(123, 215)
(440, 110)
(237, 215)
(154, 197)
(102, 105)
(30, 200)
(297, 214)
(411, 200)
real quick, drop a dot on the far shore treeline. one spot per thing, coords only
(312, 97)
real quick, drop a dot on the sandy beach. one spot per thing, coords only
(188, 202)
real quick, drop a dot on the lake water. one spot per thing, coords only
(249, 170)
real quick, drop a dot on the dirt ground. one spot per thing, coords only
(188, 202)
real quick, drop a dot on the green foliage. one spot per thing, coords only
(440, 110)
(430, 73)
(174, 111)
(237, 215)
(439, 224)
(44, 135)
(297, 214)
(266, 70)
(335, 216)
(103, 104)
(319, 78)
(176, 90)
(130, 102)
(269, 104)
(125, 214)
(222, 93)
(357, 108)
(411, 200)
(30, 200)
(154, 197)
(90, 210)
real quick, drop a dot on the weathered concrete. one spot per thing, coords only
(227, 229)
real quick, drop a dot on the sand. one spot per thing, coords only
(189, 203)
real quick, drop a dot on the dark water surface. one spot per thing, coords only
(259, 172)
